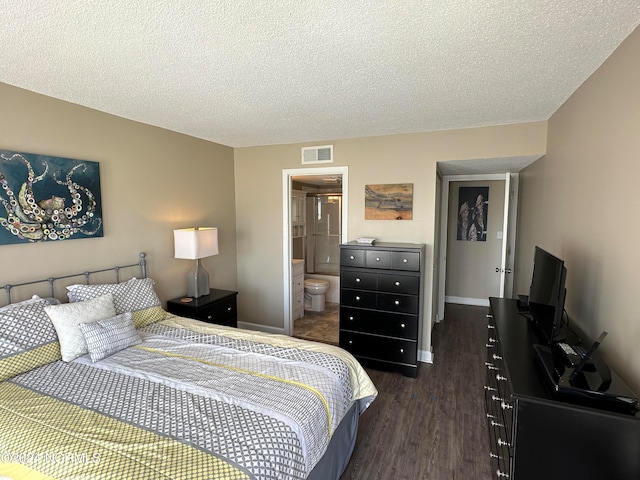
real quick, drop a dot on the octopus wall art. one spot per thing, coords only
(48, 198)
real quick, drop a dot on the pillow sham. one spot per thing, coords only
(66, 317)
(109, 336)
(33, 299)
(134, 295)
(27, 338)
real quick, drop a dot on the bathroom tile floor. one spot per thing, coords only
(319, 326)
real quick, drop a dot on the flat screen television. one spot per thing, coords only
(547, 294)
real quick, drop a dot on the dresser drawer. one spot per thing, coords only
(352, 257)
(396, 283)
(358, 298)
(398, 303)
(378, 259)
(409, 261)
(358, 279)
(380, 348)
(380, 323)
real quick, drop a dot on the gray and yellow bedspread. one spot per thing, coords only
(192, 401)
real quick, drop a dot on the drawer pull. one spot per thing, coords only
(351, 319)
(397, 284)
(402, 325)
(488, 345)
(491, 327)
(377, 259)
(493, 455)
(350, 342)
(502, 443)
(490, 416)
(229, 309)
(491, 367)
(500, 378)
(506, 406)
(490, 389)
(496, 424)
(402, 350)
(404, 260)
(497, 357)
(358, 280)
(357, 298)
(351, 257)
(501, 475)
(496, 399)
(492, 340)
(209, 317)
(397, 302)
(489, 315)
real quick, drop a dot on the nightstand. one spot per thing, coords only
(218, 307)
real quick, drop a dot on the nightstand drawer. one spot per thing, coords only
(227, 309)
(218, 307)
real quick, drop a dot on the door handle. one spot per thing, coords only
(500, 270)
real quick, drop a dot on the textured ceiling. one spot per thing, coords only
(245, 73)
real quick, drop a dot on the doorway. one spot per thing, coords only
(321, 176)
(484, 270)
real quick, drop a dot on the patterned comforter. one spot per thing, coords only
(192, 401)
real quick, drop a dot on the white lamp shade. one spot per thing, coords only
(194, 243)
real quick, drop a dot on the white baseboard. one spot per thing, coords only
(425, 356)
(479, 302)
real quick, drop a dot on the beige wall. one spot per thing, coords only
(152, 181)
(388, 159)
(471, 266)
(581, 203)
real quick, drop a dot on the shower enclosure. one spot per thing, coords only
(324, 233)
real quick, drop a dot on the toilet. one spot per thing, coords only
(314, 290)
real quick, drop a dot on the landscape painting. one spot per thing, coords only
(391, 201)
(46, 198)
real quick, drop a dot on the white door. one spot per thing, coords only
(478, 270)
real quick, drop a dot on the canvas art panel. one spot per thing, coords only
(473, 206)
(45, 198)
(391, 201)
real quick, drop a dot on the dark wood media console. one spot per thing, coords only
(534, 434)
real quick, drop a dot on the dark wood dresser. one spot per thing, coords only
(535, 433)
(381, 303)
(218, 307)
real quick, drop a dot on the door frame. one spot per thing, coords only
(509, 232)
(287, 175)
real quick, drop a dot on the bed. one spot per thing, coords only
(110, 385)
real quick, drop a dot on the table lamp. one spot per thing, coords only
(194, 244)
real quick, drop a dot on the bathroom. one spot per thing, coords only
(316, 226)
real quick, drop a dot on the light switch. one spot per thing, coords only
(499, 235)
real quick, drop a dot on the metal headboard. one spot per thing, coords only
(142, 263)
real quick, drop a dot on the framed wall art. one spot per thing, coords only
(47, 198)
(391, 201)
(473, 203)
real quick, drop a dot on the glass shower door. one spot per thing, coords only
(327, 233)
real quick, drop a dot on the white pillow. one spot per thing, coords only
(66, 317)
(109, 336)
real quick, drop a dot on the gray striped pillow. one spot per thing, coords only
(109, 336)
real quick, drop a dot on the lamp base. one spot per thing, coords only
(198, 281)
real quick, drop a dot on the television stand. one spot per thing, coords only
(534, 433)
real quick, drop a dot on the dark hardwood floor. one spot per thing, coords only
(434, 426)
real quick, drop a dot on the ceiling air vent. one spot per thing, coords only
(314, 155)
